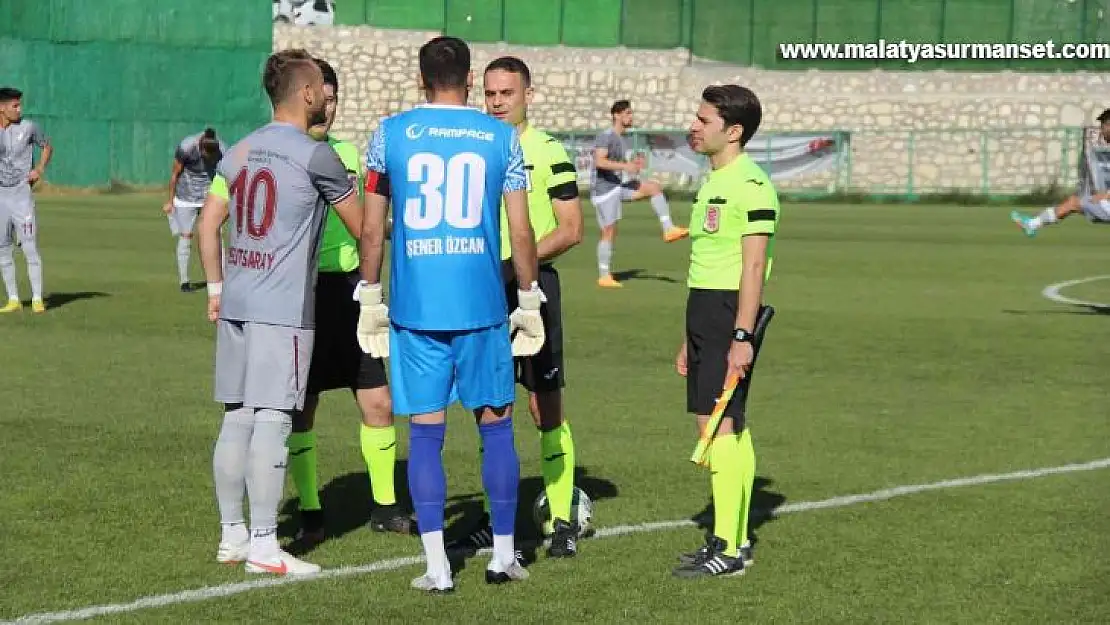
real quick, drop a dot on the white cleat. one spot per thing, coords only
(498, 573)
(281, 563)
(429, 583)
(233, 553)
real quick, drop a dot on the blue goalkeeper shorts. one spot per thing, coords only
(429, 370)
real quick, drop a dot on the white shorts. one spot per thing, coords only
(608, 204)
(184, 216)
(261, 365)
(1095, 211)
(17, 215)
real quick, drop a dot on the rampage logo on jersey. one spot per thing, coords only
(416, 131)
(439, 246)
(250, 259)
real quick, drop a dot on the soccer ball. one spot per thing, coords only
(581, 508)
(305, 12)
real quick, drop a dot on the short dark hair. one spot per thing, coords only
(330, 77)
(1104, 116)
(620, 106)
(208, 142)
(283, 71)
(444, 63)
(513, 65)
(7, 94)
(736, 105)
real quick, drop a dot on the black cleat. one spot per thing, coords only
(514, 572)
(711, 562)
(480, 538)
(564, 541)
(186, 287)
(312, 530)
(700, 554)
(390, 519)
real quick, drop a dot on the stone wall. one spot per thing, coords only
(947, 111)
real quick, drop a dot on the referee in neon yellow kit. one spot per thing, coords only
(556, 215)
(732, 228)
(339, 363)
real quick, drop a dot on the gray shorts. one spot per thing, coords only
(184, 216)
(17, 215)
(1095, 211)
(608, 204)
(261, 365)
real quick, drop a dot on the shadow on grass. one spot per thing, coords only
(347, 502)
(638, 274)
(764, 503)
(57, 300)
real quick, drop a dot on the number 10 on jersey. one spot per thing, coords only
(261, 188)
(453, 191)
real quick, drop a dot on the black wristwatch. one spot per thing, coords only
(740, 335)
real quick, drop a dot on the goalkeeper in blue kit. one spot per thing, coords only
(445, 167)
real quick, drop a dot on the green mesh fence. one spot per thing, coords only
(414, 14)
(533, 24)
(652, 23)
(475, 20)
(117, 83)
(747, 32)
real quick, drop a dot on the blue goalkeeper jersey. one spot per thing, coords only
(447, 167)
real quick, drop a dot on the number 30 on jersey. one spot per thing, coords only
(453, 191)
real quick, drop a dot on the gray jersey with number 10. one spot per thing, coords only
(280, 183)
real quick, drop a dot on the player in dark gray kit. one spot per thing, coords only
(194, 165)
(610, 188)
(18, 139)
(277, 183)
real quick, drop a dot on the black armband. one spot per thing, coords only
(565, 191)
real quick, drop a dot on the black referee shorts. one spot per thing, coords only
(337, 360)
(710, 323)
(543, 372)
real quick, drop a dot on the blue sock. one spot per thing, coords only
(427, 481)
(500, 474)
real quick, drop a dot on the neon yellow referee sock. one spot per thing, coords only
(727, 467)
(379, 450)
(557, 466)
(302, 466)
(747, 479)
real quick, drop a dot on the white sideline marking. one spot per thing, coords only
(1052, 292)
(392, 564)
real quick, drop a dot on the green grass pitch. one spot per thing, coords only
(911, 345)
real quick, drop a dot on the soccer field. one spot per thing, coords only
(912, 345)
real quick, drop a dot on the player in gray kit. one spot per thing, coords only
(194, 165)
(18, 139)
(1092, 199)
(273, 189)
(609, 189)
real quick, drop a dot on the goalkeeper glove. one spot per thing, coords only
(525, 324)
(373, 320)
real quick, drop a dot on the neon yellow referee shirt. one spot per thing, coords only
(736, 200)
(547, 167)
